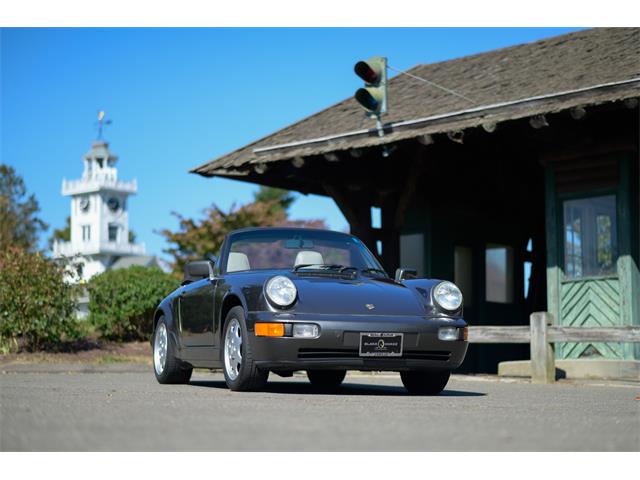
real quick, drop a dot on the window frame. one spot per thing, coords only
(115, 227)
(512, 271)
(560, 238)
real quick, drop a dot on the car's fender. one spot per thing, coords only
(166, 309)
(423, 289)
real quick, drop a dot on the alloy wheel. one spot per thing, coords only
(160, 348)
(233, 349)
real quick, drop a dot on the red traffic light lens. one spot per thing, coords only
(365, 72)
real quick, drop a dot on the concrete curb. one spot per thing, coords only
(74, 368)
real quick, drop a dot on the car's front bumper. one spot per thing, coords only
(337, 347)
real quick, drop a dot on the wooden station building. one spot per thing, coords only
(527, 196)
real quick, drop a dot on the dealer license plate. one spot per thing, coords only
(381, 344)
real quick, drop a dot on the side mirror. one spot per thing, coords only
(197, 270)
(405, 274)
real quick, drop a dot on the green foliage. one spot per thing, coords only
(61, 234)
(122, 301)
(277, 198)
(200, 239)
(37, 307)
(19, 225)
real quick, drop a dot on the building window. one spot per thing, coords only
(113, 232)
(499, 273)
(86, 233)
(412, 252)
(463, 272)
(590, 236)
(527, 268)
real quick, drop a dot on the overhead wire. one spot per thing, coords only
(433, 84)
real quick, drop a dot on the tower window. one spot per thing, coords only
(86, 233)
(113, 232)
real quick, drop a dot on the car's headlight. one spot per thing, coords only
(281, 291)
(448, 296)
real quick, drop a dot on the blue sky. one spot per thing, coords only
(179, 97)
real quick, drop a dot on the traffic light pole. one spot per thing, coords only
(379, 126)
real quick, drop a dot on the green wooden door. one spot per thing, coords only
(592, 272)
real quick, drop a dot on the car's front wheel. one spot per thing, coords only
(326, 379)
(425, 383)
(240, 371)
(166, 366)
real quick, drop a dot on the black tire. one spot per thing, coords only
(326, 379)
(249, 376)
(174, 371)
(425, 383)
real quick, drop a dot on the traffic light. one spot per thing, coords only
(373, 96)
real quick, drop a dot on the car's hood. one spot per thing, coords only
(364, 295)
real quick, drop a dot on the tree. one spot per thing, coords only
(198, 239)
(61, 234)
(19, 225)
(280, 199)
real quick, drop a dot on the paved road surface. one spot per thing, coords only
(124, 409)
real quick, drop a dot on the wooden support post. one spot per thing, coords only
(543, 366)
(357, 211)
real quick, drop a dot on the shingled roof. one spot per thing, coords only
(587, 67)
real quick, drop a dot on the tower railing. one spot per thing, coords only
(72, 187)
(66, 249)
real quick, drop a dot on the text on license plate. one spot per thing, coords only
(381, 344)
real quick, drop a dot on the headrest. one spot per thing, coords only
(237, 262)
(308, 257)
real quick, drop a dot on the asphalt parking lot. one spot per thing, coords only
(123, 408)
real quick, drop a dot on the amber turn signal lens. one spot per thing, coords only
(270, 329)
(465, 333)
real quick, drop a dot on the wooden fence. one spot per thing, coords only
(541, 334)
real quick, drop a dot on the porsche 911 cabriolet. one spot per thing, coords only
(288, 299)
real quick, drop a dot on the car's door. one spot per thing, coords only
(196, 313)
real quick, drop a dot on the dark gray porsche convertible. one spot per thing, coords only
(286, 299)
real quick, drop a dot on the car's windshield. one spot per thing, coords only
(299, 249)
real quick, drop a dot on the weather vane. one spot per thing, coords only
(101, 123)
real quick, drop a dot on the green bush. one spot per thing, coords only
(37, 307)
(122, 302)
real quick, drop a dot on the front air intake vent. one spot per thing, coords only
(322, 353)
(337, 353)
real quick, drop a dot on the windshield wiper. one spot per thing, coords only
(324, 266)
(374, 270)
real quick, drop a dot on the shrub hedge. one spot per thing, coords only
(122, 302)
(37, 307)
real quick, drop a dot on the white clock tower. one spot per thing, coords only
(99, 213)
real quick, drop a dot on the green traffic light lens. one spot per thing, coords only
(367, 100)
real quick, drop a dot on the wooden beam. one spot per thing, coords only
(538, 122)
(554, 334)
(411, 183)
(356, 211)
(507, 334)
(593, 334)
